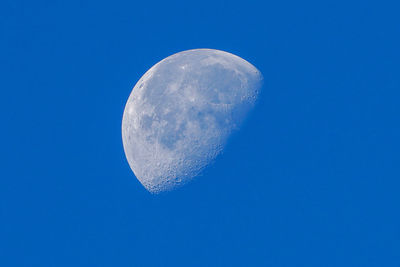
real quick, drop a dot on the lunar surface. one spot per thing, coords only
(181, 113)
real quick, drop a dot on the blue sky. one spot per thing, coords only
(311, 180)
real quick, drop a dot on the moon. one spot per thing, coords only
(181, 113)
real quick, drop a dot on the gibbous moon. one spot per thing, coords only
(182, 111)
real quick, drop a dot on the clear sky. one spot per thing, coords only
(312, 179)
